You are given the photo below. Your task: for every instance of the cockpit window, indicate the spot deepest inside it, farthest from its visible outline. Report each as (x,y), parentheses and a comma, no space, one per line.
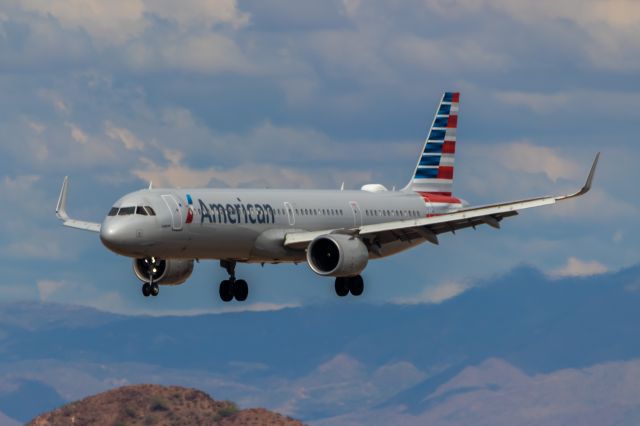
(150,211)
(141,211)
(126,211)
(113,211)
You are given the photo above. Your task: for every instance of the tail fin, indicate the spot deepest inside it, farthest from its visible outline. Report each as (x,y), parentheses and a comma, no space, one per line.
(434,172)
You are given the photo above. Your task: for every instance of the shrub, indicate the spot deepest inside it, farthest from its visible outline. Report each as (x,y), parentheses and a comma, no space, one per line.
(159,404)
(229,410)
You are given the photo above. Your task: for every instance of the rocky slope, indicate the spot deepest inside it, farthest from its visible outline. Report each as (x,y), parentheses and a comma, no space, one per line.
(157,405)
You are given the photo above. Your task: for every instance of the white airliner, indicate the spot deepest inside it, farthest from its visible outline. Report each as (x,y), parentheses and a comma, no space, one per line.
(335,231)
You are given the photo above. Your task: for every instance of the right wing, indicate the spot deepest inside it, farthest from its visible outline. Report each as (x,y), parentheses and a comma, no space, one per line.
(61,212)
(428,228)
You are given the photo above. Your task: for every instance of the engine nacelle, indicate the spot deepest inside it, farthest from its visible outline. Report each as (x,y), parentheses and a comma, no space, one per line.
(337,255)
(165,272)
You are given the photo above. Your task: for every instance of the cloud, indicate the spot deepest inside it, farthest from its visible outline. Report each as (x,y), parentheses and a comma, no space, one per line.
(199,13)
(538,102)
(48,288)
(77,134)
(435,294)
(128,139)
(113,21)
(118,21)
(579,268)
(247,175)
(468,53)
(63,291)
(527,157)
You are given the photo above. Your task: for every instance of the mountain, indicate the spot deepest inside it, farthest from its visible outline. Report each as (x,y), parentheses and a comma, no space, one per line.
(157,405)
(347,361)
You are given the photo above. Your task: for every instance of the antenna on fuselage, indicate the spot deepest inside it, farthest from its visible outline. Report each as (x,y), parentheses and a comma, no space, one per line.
(342,187)
(150,184)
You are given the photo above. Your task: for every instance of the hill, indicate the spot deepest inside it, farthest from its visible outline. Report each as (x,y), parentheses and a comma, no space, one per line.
(160,406)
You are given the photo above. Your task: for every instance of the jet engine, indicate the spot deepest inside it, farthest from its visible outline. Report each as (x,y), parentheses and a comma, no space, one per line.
(166,272)
(337,255)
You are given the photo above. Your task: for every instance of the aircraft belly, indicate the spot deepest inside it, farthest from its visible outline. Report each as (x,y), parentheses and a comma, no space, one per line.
(222,242)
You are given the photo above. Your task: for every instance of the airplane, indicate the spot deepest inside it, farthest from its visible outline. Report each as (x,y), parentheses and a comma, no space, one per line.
(336,232)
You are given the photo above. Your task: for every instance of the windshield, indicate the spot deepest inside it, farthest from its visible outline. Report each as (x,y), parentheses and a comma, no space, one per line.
(126,211)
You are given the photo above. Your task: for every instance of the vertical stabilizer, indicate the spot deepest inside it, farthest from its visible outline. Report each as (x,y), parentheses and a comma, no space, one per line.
(434,172)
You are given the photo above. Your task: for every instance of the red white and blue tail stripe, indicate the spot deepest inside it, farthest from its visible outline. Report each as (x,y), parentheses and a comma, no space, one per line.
(434,171)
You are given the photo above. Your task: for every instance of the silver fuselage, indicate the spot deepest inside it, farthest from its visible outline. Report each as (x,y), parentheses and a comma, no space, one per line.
(250,225)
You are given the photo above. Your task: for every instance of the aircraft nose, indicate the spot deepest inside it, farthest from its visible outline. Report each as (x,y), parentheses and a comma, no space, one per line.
(114,235)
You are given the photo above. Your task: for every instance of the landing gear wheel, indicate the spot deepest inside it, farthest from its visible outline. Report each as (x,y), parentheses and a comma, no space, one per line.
(342,288)
(241,290)
(146,289)
(155,289)
(226,291)
(356,285)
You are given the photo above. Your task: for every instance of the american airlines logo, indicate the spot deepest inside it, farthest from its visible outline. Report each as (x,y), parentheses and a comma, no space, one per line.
(236,213)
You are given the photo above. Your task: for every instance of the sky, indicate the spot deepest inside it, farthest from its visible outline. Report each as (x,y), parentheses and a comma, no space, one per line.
(291,94)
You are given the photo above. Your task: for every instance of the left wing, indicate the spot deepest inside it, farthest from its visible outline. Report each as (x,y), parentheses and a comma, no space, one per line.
(61,212)
(429,228)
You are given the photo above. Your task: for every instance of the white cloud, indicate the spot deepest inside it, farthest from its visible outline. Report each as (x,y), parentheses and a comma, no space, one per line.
(55,99)
(435,294)
(118,21)
(466,53)
(248,174)
(47,288)
(128,139)
(113,21)
(527,157)
(578,268)
(201,13)
(538,102)
(77,134)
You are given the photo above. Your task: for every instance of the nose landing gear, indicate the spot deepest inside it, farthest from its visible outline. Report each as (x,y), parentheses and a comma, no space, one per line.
(150,289)
(346,285)
(151,267)
(232,288)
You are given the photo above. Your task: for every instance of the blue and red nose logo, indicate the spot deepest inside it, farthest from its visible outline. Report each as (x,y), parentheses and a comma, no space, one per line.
(189,209)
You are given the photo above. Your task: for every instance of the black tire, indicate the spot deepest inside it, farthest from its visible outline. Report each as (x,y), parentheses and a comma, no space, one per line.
(342,288)
(146,289)
(356,285)
(241,290)
(226,291)
(155,289)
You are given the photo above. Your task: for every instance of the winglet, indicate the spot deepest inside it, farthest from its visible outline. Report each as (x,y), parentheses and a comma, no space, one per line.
(61,212)
(61,207)
(587,184)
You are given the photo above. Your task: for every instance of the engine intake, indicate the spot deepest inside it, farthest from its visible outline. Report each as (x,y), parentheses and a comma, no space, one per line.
(165,272)
(337,255)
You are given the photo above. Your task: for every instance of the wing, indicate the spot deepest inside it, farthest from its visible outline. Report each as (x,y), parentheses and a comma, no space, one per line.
(429,228)
(61,212)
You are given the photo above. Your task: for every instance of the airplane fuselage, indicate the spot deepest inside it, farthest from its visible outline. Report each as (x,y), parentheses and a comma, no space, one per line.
(250,225)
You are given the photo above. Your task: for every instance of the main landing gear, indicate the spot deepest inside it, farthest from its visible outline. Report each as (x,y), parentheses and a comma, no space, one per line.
(232,288)
(346,285)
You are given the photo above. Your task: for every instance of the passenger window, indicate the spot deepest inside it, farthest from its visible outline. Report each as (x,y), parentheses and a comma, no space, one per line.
(125,211)
(113,211)
(150,211)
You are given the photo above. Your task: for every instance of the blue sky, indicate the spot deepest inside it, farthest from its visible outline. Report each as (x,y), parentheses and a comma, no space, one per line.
(282,93)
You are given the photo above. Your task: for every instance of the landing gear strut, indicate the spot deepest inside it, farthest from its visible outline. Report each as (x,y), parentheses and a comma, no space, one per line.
(150,288)
(346,285)
(232,288)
